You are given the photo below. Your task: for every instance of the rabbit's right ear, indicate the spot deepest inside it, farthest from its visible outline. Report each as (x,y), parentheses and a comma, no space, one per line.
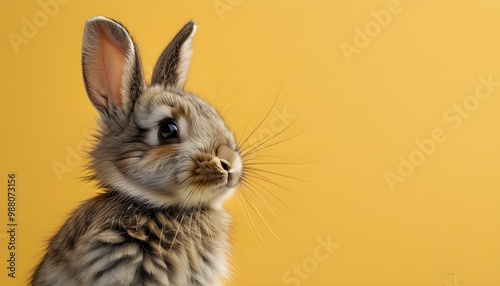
(112,70)
(171,68)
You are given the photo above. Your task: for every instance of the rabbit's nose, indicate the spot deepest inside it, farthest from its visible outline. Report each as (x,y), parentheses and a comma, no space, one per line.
(227,156)
(230,161)
(225,164)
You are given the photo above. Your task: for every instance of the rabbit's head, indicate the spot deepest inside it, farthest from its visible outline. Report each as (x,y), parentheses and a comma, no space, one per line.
(157,143)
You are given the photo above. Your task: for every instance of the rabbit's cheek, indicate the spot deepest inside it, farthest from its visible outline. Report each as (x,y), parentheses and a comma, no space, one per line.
(157,159)
(161,152)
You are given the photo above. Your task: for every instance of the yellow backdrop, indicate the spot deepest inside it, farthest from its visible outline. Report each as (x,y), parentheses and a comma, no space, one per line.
(384,162)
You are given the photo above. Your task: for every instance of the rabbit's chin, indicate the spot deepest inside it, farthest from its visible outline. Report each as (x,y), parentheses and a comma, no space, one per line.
(213,197)
(191,196)
(202,195)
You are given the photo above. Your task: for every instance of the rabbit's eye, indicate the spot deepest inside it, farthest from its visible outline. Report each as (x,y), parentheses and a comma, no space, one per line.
(167,133)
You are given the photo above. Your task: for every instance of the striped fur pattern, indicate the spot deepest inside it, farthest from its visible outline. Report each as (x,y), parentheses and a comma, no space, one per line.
(165,160)
(110,241)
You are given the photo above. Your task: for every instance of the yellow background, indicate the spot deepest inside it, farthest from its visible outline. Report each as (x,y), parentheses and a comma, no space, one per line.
(353,121)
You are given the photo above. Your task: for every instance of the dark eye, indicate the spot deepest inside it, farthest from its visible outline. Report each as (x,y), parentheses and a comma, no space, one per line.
(167,133)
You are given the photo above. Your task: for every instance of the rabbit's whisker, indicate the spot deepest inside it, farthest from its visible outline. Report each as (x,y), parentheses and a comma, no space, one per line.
(266,179)
(257,212)
(232,97)
(262,199)
(269,145)
(263,119)
(221,86)
(248,216)
(265,139)
(276,174)
(282,204)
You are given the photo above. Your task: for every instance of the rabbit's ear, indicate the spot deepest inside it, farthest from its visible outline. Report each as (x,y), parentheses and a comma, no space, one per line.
(172,66)
(112,69)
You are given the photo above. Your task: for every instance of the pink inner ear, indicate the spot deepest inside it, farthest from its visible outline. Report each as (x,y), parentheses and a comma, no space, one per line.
(112,58)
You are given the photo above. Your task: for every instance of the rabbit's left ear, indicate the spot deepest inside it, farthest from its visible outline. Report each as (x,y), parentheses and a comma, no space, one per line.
(112,70)
(173,64)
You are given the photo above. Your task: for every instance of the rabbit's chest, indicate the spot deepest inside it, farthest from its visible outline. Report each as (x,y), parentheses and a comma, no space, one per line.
(178,249)
(157,249)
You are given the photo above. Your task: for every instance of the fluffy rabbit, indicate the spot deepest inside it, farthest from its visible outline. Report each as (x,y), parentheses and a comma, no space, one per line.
(165,160)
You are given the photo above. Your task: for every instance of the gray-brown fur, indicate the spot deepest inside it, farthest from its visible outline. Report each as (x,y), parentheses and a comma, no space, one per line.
(113,241)
(165,160)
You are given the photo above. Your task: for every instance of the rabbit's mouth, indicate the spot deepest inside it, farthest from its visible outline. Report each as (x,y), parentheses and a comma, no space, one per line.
(222,171)
(214,176)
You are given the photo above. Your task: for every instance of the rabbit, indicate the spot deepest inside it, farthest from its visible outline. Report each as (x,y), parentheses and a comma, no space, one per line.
(166,162)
